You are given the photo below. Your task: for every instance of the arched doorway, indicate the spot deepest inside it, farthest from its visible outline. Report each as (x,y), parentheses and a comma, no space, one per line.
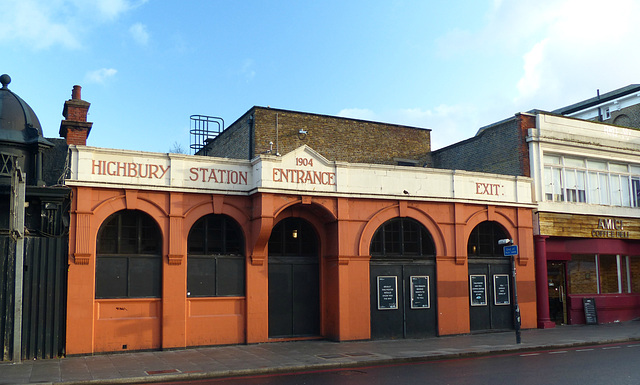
(402,281)
(294,279)
(490,282)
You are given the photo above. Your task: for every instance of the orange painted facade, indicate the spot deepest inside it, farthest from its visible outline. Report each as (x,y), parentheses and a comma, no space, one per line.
(345,227)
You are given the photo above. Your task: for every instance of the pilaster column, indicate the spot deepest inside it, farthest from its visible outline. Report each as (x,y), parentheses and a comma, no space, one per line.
(542,282)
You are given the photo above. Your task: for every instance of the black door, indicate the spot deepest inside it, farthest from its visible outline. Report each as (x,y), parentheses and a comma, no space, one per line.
(490,282)
(557,293)
(402,301)
(402,281)
(490,295)
(294,294)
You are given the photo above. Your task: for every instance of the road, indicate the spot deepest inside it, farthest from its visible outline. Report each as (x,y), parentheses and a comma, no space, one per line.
(603,364)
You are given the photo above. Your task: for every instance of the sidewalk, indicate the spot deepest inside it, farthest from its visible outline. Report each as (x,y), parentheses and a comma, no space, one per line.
(198,363)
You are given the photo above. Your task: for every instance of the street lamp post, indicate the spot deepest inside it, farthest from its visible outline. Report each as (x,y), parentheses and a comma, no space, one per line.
(511,250)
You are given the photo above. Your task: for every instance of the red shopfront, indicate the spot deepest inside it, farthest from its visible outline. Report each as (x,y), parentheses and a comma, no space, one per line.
(603,265)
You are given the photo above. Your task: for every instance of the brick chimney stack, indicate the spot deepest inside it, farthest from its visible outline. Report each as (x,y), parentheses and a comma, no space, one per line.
(75,127)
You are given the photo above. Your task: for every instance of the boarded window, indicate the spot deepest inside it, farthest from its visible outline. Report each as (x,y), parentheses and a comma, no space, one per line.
(215,261)
(129,257)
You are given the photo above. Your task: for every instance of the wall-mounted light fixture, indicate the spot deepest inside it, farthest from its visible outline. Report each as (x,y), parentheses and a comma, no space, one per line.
(294,234)
(302,134)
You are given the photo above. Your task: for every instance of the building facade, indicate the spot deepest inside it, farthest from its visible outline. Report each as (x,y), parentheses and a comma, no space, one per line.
(586,178)
(171,251)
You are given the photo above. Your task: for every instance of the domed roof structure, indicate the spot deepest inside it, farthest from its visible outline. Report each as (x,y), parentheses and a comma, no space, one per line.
(21,141)
(18,122)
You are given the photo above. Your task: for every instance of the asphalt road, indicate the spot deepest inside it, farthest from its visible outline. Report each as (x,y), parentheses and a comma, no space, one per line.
(603,364)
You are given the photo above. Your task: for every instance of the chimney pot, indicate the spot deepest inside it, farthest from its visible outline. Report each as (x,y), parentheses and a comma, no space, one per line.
(75,94)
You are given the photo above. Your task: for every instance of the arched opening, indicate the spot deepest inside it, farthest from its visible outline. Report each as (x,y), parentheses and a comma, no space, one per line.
(215,258)
(294,280)
(490,282)
(402,281)
(129,257)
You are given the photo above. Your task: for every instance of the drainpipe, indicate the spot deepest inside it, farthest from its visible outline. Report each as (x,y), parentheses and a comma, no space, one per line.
(277,141)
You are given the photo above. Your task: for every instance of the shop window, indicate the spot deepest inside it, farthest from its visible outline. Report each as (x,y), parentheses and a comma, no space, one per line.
(634,273)
(483,241)
(604,274)
(608,273)
(402,237)
(583,277)
(215,258)
(129,257)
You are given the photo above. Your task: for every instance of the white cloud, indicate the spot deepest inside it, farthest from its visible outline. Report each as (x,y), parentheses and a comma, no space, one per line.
(32,23)
(100,76)
(247,70)
(586,46)
(111,9)
(568,49)
(531,81)
(449,123)
(139,33)
(42,24)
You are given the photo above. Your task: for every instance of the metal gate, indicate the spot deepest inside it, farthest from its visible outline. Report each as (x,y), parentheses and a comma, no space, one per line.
(7,273)
(44,297)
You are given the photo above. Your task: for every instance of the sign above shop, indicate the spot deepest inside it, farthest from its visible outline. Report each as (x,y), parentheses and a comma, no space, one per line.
(610,228)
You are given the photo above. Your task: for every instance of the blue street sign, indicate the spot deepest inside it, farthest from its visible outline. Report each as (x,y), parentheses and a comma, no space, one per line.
(510,250)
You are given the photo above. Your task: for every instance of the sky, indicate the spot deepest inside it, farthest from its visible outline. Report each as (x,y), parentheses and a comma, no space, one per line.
(450,66)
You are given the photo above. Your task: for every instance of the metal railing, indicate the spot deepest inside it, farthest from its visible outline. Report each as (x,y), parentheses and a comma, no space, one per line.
(203,129)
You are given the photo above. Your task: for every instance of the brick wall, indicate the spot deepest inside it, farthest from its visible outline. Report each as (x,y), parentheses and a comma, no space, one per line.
(582,275)
(234,142)
(500,148)
(337,139)
(628,117)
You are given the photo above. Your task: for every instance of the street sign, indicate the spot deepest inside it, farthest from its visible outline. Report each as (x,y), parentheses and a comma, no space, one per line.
(510,250)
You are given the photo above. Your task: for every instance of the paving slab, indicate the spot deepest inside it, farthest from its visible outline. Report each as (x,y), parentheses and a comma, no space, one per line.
(222,361)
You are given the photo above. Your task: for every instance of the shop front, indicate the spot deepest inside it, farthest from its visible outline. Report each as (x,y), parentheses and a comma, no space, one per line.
(594,259)
(171,251)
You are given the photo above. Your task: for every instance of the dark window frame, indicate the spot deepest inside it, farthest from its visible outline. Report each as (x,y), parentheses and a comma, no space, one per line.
(113,244)
(213,241)
(485,237)
(395,237)
(282,243)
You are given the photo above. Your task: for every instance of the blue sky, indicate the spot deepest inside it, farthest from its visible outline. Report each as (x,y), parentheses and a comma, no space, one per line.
(451,66)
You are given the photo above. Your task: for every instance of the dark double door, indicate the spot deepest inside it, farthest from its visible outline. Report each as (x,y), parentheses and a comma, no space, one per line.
(403,301)
(294,297)
(490,286)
